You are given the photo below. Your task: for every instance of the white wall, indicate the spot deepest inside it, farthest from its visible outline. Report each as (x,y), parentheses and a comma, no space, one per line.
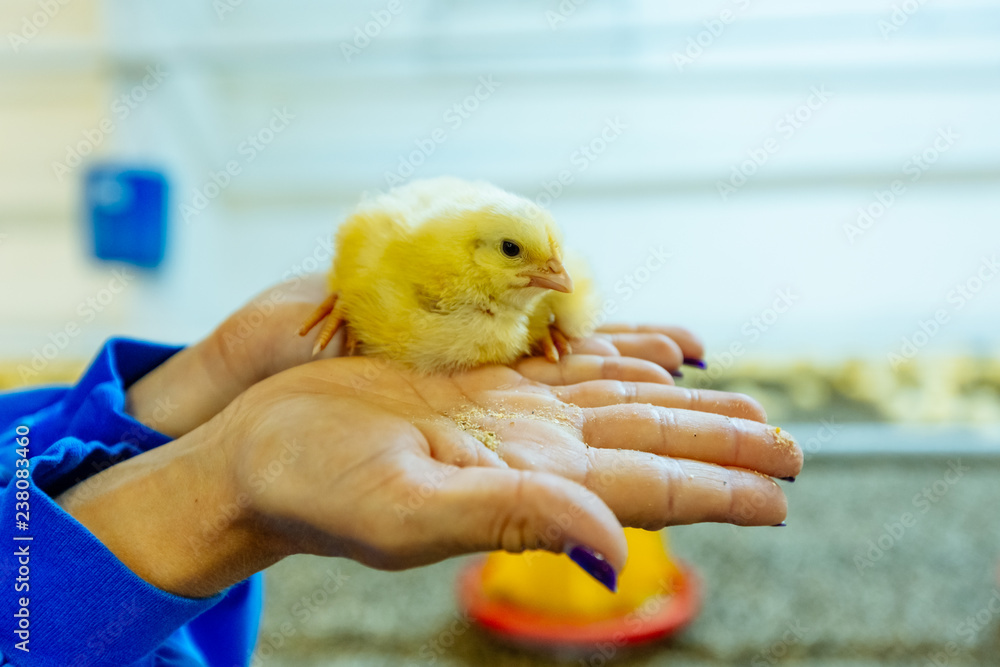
(656,184)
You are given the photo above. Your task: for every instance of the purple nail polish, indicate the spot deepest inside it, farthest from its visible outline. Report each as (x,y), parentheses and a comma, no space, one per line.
(787,479)
(595,565)
(779,525)
(676,374)
(697,363)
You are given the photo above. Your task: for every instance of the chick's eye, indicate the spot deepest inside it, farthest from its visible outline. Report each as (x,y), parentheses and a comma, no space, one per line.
(511,249)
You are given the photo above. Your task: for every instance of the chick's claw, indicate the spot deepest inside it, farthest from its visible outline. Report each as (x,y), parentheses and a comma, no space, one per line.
(326,334)
(555,344)
(323,311)
(351,343)
(563,346)
(318,315)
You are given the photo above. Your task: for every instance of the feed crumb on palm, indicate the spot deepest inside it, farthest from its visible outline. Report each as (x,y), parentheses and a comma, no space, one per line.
(475,420)
(467,421)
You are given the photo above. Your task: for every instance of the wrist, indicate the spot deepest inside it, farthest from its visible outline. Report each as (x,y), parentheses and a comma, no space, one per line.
(175,517)
(184,392)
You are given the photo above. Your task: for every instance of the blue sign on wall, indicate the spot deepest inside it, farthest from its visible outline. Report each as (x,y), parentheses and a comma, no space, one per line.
(127,210)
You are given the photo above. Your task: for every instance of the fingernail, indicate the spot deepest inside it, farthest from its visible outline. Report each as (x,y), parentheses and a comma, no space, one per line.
(697,363)
(594,564)
(676,374)
(779,525)
(787,479)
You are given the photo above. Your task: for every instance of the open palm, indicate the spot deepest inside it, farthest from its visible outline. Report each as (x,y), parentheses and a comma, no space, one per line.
(395,469)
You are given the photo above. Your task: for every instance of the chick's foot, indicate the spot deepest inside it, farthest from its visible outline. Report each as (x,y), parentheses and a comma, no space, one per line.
(555,344)
(333,322)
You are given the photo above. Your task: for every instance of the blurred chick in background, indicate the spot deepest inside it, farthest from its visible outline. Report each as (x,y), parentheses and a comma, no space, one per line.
(444,275)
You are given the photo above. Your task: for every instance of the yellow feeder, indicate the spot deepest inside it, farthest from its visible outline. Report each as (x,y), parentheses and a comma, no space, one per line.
(545,600)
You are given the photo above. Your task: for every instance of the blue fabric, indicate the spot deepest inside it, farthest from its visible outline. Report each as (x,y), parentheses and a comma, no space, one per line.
(84,607)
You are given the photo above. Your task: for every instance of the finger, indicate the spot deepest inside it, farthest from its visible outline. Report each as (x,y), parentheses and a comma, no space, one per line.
(575,368)
(691,346)
(310,288)
(649,491)
(598,393)
(599,345)
(699,436)
(655,347)
(319,314)
(293,350)
(484,509)
(459,448)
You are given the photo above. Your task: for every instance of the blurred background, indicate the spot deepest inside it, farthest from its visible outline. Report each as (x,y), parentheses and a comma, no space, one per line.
(823,180)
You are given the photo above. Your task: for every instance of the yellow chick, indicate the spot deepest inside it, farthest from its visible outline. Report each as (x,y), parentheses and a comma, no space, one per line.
(445,274)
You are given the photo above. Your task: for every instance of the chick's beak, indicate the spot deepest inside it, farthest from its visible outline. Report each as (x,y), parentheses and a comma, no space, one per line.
(554,276)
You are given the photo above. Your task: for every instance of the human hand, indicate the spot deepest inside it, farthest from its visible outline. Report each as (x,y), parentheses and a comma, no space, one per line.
(259,341)
(254,343)
(390,468)
(647,350)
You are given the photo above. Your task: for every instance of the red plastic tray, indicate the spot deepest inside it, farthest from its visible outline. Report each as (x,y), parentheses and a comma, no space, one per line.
(524,627)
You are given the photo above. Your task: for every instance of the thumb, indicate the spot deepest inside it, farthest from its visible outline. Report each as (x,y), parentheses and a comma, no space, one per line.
(485,509)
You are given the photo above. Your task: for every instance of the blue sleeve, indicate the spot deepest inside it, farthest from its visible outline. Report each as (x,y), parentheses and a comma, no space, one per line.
(67,600)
